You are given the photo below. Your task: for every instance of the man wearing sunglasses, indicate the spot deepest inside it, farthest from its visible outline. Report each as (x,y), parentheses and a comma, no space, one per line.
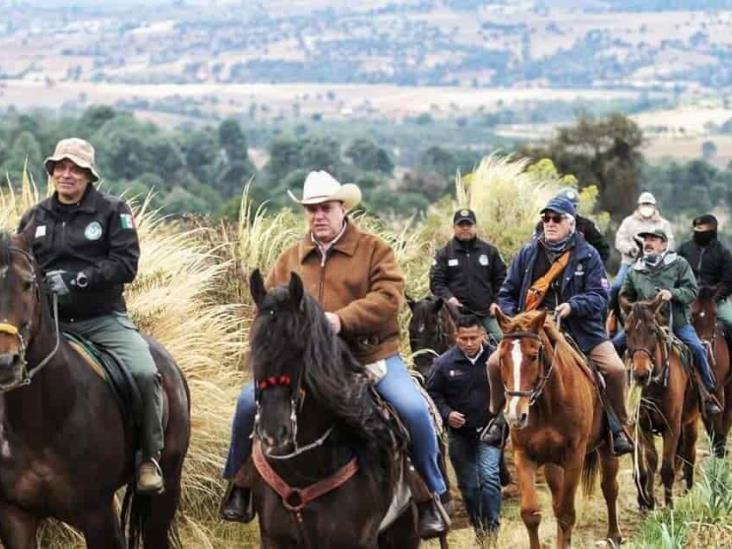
(560,272)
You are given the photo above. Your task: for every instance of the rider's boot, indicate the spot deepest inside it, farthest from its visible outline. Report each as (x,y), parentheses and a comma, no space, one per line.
(238,504)
(150,477)
(495,433)
(434,519)
(622,444)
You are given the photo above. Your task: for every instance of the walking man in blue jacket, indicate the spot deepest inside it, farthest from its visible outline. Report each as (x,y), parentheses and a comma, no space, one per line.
(562,273)
(458,384)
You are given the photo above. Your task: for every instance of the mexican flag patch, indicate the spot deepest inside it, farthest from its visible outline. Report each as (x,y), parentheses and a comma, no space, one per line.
(126,221)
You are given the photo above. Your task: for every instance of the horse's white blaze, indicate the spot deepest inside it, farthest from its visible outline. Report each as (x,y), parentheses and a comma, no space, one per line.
(516,358)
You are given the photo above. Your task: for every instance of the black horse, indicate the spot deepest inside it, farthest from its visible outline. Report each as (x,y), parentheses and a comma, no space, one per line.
(328,463)
(431,331)
(64,446)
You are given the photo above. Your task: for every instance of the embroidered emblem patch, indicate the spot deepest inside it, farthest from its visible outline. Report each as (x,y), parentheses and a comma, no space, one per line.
(452,262)
(483,260)
(126,221)
(40,231)
(93,231)
(464,212)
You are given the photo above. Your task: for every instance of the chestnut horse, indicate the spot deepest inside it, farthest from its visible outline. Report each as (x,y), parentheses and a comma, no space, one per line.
(711,333)
(65,445)
(556,417)
(669,403)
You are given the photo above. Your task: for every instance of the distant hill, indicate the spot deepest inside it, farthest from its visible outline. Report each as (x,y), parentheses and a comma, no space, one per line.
(629,44)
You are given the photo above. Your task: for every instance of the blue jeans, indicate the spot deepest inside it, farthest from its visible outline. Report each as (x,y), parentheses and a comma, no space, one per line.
(397,388)
(620,277)
(687,334)
(477,467)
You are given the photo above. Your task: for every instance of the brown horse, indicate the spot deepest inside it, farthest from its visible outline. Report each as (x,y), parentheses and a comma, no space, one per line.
(65,447)
(669,402)
(431,331)
(704,318)
(557,421)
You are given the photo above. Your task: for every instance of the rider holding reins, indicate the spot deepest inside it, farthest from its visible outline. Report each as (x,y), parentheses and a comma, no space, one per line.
(561,272)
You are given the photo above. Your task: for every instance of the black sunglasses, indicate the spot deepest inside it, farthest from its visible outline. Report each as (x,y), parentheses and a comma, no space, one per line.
(556,218)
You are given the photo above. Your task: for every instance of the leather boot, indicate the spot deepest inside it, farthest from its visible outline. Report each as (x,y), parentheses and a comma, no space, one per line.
(238,504)
(711,406)
(495,433)
(621,443)
(433,518)
(150,477)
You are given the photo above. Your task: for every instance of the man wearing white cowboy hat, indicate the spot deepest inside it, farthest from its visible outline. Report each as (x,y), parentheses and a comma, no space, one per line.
(361,293)
(86,244)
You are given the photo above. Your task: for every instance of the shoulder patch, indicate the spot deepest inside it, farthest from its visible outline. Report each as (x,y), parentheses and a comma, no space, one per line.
(126,221)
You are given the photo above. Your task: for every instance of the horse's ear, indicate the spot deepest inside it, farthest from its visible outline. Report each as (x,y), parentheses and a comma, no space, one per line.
(625,304)
(657,304)
(296,289)
(410,302)
(538,323)
(504,321)
(256,287)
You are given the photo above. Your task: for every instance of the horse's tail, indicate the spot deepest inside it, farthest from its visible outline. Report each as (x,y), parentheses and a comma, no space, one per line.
(135,512)
(589,472)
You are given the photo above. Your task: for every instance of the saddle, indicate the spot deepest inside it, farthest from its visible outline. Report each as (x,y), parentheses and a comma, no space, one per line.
(109,367)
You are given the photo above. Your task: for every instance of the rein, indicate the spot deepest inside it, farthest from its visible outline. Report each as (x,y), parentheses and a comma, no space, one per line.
(11,330)
(538,389)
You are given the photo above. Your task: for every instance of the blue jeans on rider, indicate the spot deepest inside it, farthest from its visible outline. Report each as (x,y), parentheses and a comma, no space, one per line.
(687,334)
(620,277)
(397,388)
(477,467)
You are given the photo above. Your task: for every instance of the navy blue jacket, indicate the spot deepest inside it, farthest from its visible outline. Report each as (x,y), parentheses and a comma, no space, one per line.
(456,384)
(584,286)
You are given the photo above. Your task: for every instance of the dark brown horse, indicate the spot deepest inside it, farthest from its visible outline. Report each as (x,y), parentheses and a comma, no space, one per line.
(669,402)
(64,446)
(711,332)
(431,331)
(557,420)
(327,463)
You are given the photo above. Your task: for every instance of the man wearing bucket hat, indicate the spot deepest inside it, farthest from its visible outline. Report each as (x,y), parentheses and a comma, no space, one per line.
(360,291)
(561,272)
(645,218)
(663,272)
(467,272)
(87,247)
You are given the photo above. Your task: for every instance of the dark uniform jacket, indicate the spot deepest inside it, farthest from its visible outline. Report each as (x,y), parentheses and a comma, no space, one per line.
(455,384)
(587,228)
(98,237)
(471,271)
(712,265)
(584,286)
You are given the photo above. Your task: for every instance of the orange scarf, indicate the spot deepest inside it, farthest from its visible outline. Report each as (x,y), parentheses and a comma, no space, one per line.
(537,292)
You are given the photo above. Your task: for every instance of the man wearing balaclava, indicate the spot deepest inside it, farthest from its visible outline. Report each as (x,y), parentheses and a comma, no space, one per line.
(645,218)
(711,262)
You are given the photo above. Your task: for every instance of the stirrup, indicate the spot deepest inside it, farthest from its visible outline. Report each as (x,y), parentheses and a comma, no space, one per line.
(150,491)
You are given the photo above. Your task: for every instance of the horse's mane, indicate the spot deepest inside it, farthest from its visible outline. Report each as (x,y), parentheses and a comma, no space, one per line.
(4,249)
(330,373)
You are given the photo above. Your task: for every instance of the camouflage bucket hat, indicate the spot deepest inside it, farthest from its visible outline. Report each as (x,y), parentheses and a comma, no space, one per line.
(79,151)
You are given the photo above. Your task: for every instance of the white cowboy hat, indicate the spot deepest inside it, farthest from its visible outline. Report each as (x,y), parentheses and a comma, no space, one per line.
(321,187)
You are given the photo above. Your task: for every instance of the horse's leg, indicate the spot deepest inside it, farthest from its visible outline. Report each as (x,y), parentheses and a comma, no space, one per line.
(609,464)
(17,528)
(646,471)
(555,479)
(160,522)
(530,510)
(101,528)
(670,445)
(566,515)
(687,452)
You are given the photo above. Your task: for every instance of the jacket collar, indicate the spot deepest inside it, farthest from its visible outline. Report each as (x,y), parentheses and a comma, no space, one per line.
(347,243)
(668,259)
(88,202)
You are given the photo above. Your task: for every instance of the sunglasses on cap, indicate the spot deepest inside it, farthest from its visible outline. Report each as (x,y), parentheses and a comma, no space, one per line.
(556,218)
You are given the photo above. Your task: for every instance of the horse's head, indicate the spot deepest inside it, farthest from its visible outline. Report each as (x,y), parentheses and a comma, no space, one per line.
(521,355)
(428,332)
(643,335)
(704,312)
(20,311)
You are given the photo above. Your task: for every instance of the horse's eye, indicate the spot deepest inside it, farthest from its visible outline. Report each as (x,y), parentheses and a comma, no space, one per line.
(534,357)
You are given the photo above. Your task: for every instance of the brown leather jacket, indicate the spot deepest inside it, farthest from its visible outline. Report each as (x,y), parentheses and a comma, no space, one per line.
(359,280)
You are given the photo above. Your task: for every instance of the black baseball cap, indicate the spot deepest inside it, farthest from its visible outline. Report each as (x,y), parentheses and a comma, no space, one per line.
(461,216)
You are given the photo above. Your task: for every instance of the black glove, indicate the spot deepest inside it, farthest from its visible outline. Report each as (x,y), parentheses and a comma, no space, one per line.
(60,282)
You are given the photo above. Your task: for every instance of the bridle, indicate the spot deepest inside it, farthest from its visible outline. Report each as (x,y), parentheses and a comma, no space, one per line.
(664,343)
(5,328)
(547,368)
